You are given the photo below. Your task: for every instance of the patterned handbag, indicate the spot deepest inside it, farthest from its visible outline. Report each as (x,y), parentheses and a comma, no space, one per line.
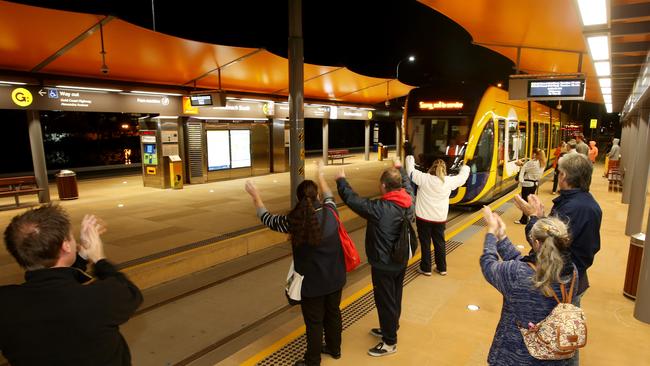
(561,333)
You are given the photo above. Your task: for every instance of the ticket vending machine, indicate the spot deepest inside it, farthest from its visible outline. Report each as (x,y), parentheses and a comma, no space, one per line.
(152,161)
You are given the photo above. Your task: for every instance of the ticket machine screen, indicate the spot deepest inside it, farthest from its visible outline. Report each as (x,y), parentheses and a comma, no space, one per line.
(150,157)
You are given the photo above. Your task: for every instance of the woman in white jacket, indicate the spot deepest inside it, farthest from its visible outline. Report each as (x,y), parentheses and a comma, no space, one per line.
(529,175)
(431,208)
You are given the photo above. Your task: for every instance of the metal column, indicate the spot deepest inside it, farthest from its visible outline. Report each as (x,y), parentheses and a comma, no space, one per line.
(38,155)
(366,141)
(398,145)
(625,136)
(642,304)
(326,134)
(296,98)
(628,158)
(640,168)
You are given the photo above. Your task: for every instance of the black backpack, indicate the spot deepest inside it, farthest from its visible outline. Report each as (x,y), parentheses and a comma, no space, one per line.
(407,244)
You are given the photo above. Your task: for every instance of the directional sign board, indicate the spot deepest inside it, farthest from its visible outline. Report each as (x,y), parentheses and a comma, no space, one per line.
(539,88)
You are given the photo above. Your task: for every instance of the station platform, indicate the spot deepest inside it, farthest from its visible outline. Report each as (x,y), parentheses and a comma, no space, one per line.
(438,329)
(145,224)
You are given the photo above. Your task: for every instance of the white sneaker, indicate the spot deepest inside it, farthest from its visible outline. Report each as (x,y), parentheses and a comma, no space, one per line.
(382,349)
(420,271)
(442,273)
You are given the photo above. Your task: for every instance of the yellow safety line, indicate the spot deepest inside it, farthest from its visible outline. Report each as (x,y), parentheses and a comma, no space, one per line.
(350,299)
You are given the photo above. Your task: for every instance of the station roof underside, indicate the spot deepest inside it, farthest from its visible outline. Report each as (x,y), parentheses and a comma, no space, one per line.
(550,35)
(53,42)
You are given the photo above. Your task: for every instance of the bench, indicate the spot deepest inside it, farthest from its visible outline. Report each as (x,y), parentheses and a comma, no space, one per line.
(338,154)
(18,186)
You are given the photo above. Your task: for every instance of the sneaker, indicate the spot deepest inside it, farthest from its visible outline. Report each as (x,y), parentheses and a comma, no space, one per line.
(376,332)
(442,273)
(422,272)
(382,349)
(324,349)
(300,363)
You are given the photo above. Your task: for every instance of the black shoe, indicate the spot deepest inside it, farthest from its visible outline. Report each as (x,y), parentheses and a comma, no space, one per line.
(382,349)
(300,363)
(376,332)
(324,349)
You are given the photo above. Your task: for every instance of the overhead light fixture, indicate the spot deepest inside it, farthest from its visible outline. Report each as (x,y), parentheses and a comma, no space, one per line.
(608,106)
(155,93)
(607,98)
(411,58)
(603,68)
(12,82)
(472,307)
(169,117)
(599,47)
(605,82)
(89,88)
(593,12)
(606,90)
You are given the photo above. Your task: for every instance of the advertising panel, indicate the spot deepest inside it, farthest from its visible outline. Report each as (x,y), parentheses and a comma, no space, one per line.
(218,150)
(240,142)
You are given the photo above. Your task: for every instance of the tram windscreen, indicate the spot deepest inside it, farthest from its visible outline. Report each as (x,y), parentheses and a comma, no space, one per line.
(444,138)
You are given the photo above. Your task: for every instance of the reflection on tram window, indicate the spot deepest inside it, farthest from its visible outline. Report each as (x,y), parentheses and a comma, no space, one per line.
(484,149)
(444,138)
(514,141)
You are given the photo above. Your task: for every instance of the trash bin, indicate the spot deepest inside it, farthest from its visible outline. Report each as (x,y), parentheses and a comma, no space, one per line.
(385,152)
(634,256)
(66,185)
(380,152)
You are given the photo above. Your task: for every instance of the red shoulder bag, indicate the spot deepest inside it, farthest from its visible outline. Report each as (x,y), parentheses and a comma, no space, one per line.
(350,253)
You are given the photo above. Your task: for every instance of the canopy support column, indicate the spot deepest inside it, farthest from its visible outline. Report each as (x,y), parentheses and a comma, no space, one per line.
(326,146)
(366,141)
(640,167)
(38,155)
(642,304)
(296,98)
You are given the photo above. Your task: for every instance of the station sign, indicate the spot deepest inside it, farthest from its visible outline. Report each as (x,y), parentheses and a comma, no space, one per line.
(321,112)
(547,88)
(68,99)
(233,110)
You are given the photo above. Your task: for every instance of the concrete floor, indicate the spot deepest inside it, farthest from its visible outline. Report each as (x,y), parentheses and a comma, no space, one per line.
(437,329)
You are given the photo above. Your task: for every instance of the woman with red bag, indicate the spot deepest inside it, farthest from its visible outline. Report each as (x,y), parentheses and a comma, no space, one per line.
(318,256)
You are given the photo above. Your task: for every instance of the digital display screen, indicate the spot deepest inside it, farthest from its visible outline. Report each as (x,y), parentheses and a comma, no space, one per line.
(198,100)
(556,88)
(240,145)
(218,150)
(150,157)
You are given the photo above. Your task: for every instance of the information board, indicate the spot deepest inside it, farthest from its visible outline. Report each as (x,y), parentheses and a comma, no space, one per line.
(199,100)
(218,150)
(240,144)
(556,88)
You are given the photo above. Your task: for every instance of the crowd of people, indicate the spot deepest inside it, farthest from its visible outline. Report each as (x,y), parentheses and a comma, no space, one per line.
(60,305)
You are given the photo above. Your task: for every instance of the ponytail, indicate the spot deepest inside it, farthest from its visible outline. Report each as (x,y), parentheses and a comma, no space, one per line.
(439,169)
(303,223)
(554,241)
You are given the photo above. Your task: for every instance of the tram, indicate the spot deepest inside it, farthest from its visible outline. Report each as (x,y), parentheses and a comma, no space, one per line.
(479,126)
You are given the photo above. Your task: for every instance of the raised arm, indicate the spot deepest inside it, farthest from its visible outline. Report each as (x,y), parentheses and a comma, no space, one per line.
(322,182)
(361,206)
(458,180)
(416,175)
(278,223)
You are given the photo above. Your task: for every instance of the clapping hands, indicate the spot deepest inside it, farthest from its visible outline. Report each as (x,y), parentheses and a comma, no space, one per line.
(495,224)
(90,242)
(534,206)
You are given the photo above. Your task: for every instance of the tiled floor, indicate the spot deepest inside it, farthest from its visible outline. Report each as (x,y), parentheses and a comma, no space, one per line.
(437,329)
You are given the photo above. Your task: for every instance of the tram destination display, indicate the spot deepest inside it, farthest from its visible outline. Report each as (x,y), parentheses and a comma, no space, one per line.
(556,88)
(200,100)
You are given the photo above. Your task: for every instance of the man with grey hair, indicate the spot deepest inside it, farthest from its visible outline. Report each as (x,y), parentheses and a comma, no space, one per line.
(581,146)
(575,206)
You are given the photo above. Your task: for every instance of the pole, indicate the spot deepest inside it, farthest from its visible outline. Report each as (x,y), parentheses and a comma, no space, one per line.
(325,139)
(366,143)
(38,155)
(628,159)
(639,187)
(642,304)
(296,98)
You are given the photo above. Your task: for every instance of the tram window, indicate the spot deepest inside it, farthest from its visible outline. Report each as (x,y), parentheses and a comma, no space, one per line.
(514,141)
(523,143)
(543,132)
(535,135)
(447,136)
(501,150)
(485,149)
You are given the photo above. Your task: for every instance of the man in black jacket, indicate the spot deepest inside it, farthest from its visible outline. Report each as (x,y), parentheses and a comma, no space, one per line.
(385,217)
(60,315)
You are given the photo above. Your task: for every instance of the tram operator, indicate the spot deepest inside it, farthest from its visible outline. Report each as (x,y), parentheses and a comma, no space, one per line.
(60,315)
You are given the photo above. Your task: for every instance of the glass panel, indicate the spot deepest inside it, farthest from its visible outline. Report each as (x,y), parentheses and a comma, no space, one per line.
(502,134)
(524,139)
(444,138)
(484,150)
(543,131)
(535,136)
(514,141)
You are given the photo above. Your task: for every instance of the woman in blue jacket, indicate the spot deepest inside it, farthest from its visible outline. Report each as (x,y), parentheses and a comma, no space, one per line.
(527,293)
(318,256)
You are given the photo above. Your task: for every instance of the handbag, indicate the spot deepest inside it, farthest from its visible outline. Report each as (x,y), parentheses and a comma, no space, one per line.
(294,286)
(350,253)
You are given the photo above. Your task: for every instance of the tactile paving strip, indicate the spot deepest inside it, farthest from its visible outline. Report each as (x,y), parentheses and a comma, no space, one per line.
(294,350)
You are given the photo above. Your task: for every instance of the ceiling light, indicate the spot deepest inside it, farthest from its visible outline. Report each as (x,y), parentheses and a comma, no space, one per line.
(607,98)
(155,93)
(605,82)
(12,82)
(593,11)
(88,88)
(603,68)
(606,90)
(599,47)
(473,307)
(608,106)
(411,58)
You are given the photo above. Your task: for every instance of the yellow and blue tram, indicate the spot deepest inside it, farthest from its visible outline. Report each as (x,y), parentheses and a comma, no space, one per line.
(480,126)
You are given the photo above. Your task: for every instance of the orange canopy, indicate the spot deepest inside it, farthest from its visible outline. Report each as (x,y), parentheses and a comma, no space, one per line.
(67,43)
(548,32)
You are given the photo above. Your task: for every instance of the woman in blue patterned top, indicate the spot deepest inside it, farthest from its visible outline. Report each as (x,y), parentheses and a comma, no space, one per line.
(527,293)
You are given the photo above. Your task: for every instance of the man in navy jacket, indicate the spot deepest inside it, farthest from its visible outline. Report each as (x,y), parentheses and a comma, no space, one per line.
(575,206)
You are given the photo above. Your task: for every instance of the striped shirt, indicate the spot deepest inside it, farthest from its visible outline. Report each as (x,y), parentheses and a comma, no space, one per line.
(280,223)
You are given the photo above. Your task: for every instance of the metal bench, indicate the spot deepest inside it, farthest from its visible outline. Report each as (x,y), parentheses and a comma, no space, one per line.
(18,186)
(338,154)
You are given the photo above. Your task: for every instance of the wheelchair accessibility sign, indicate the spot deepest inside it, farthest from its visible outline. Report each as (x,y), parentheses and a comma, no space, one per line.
(53,94)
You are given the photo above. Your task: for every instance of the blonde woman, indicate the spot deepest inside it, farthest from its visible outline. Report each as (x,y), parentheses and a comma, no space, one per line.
(431,209)
(529,175)
(528,284)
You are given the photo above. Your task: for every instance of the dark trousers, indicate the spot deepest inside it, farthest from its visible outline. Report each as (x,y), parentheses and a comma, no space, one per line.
(525,192)
(555,177)
(428,231)
(322,313)
(388,299)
